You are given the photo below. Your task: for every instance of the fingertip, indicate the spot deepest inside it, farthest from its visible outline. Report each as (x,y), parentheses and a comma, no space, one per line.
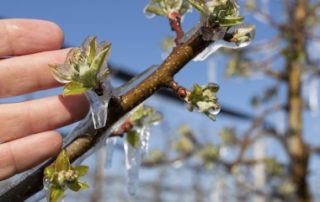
(76,105)
(57,34)
(27,36)
(56,143)
(22,154)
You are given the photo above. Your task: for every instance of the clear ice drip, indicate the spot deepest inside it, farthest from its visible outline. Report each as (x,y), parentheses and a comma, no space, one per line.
(99,104)
(135,81)
(110,146)
(133,158)
(46,188)
(144,137)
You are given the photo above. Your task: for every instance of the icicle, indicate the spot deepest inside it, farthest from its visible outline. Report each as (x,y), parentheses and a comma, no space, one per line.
(144,136)
(99,104)
(133,162)
(46,188)
(244,33)
(208,51)
(110,144)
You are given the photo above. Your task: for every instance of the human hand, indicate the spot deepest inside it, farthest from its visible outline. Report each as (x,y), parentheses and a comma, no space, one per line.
(26,130)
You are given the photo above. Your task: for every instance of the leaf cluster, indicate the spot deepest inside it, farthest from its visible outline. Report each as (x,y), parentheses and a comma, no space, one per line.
(62,175)
(84,68)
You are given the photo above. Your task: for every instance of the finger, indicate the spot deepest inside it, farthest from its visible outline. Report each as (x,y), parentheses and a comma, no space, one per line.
(25,153)
(21,119)
(22,36)
(30,73)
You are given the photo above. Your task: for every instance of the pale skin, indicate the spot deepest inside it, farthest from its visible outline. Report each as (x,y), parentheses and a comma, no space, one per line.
(27,129)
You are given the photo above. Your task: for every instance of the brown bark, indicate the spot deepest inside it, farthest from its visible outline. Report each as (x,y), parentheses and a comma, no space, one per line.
(297,148)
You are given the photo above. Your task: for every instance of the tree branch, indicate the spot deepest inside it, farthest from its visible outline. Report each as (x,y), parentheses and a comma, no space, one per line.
(87,138)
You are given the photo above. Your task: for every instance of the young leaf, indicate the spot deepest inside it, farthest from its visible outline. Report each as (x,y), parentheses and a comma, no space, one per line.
(48,171)
(92,51)
(100,59)
(60,73)
(83,185)
(56,193)
(200,5)
(231,21)
(74,186)
(133,138)
(155,10)
(81,170)
(62,162)
(74,88)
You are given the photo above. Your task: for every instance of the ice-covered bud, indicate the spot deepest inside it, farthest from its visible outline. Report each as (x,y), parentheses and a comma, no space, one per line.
(243,34)
(84,69)
(225,13)
(204,99)
(167,8)
(62,175)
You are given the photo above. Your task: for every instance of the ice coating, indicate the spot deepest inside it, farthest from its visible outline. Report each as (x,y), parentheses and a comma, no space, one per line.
(243,36)
(110,146)
(133,158)
(134,81)
(46,188)
(215,111)
(99,104)
(144,136)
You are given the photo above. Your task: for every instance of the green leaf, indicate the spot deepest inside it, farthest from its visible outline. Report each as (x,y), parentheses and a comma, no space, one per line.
(231,21)
(92,51)
(184,145)
(185,7)
(133,138)
(81,170)
(100,59)
(155,10)
(62,162)
(74,186)
(60,73)
(210,116)
(77,186)
(200,5)
(56,193)
(48,171)
(204,106)
(74,88)
(83,185)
